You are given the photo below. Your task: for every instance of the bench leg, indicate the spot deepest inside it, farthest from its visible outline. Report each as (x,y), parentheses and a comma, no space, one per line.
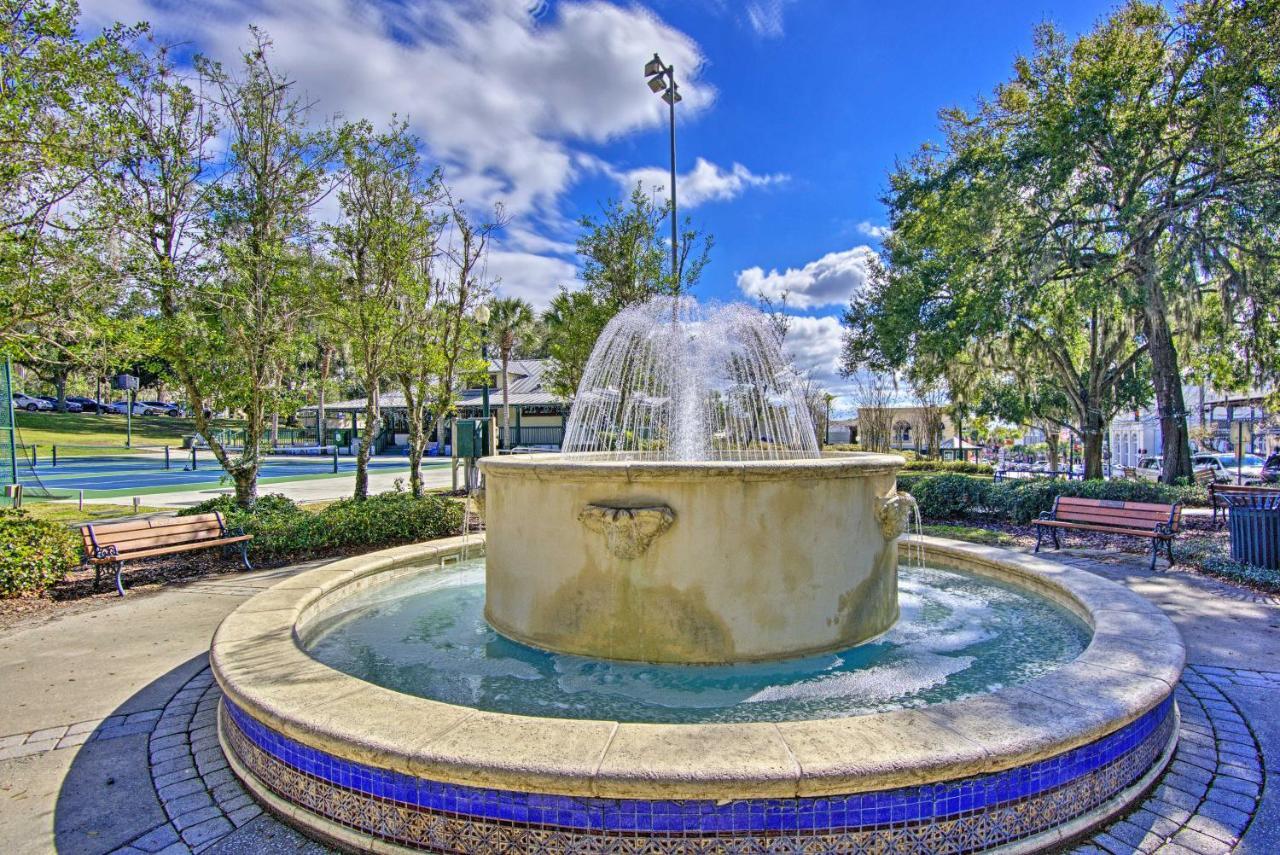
(1039,536)
(1056,544)
(119,578)
(1168,548)
(244,554)
(1155,550)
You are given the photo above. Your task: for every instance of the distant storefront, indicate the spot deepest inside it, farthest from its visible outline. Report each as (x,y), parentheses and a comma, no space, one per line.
(537,416)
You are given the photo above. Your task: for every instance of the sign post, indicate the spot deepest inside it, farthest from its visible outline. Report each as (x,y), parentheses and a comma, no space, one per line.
(129,385)
(8,424)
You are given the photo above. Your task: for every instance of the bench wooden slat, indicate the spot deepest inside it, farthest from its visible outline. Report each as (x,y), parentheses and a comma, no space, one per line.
(1113,519)
(190,531)
(167,550)
(1135,532)
(1064,501)
(110,529)
(126,547)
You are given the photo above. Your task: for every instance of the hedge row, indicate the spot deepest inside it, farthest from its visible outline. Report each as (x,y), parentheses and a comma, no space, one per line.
(964,467)
(34,554)
(946,497)
(282,529)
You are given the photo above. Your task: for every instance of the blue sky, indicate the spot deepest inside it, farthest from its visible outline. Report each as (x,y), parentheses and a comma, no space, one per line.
(794,112)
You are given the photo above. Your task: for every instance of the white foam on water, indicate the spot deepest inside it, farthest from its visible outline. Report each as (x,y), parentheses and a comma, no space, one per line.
(880,684)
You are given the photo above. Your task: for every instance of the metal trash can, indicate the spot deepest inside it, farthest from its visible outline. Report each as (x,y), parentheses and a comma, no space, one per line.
(1255,530)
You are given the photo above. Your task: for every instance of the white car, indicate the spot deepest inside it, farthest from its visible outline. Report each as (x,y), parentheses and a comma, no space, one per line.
(1149,468)
(30,404)
(1224,467)
(139,409)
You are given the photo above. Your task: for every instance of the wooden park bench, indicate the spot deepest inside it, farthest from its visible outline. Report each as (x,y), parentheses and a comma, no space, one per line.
(113,544)
(1136,519)
(1219,493)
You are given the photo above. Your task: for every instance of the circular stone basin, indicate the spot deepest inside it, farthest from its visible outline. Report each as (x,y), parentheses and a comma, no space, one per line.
(1024,766)
(960,634)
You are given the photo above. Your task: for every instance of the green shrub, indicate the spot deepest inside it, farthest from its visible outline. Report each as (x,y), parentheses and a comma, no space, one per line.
(965,467)
(1258,577)
(35,554)
(944,497)
(281,529)
(1022,500)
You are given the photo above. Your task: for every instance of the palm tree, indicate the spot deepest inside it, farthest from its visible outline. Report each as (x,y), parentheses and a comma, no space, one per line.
(511,321)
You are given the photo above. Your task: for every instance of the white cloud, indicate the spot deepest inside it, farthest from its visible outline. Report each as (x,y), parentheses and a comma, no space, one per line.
(829,281)
(813,346)
(507,93)
(765,17)
(536,278)
(706,182)
(871,230)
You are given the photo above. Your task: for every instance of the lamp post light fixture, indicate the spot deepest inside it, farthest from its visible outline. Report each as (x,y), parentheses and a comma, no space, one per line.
(662,80)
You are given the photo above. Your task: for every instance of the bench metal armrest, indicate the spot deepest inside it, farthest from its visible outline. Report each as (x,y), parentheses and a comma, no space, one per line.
(1046,515)
(108,551)
(1164,529)
(237,531)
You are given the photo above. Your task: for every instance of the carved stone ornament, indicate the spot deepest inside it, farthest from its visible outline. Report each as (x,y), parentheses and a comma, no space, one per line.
(627,531)
(894,513)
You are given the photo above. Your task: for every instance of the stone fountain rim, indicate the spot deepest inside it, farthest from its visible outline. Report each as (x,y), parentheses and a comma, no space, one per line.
(603,466)
(1131,665)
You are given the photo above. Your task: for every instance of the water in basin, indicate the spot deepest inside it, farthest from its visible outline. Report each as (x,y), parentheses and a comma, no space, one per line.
(959,634)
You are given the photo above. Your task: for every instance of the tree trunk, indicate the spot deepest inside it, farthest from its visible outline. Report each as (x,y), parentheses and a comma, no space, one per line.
(60,383)
(1051,439)
(246,481)
(1091,444)
(1175,446)
(371,420)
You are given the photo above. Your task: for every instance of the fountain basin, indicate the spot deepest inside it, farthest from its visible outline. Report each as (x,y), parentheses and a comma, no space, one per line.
(375,770)
(691,562)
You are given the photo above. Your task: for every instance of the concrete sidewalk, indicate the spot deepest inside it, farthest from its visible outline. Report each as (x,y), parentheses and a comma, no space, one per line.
(107,741)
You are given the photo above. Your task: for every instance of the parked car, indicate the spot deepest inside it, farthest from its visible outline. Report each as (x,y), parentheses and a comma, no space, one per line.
(88,405)
(139,409)
(1225,469)
(72,406)
(1271,469)
(170,409)
(1149,468)
(29,403)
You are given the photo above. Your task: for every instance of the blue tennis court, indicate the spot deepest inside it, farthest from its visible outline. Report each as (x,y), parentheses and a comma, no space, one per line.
(112,472)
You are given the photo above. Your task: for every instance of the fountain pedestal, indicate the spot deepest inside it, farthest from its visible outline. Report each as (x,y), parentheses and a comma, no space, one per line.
(691,562)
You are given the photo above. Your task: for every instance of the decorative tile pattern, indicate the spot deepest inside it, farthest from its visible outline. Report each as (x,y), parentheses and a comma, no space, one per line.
(960,816)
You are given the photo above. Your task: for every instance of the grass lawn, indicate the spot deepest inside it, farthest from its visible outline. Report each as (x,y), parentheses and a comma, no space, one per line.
(47,429)
(71,514)
(973,534)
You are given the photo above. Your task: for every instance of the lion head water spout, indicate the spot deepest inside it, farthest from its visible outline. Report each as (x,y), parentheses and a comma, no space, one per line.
(672,380)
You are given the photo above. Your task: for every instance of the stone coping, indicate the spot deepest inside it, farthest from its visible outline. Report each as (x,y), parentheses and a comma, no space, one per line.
(1132,664)
(606,467)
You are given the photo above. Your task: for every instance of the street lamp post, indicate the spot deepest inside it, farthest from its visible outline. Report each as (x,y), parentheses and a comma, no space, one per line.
(483,313)
(662,80)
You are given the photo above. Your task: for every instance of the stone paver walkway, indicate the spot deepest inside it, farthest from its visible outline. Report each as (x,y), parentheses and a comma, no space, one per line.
(148,775)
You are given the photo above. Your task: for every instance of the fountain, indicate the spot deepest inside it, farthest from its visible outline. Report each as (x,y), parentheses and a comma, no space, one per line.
(695,520)
(689,632)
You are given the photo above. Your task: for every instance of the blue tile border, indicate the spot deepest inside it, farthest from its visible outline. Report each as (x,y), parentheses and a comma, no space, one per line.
(965,815)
